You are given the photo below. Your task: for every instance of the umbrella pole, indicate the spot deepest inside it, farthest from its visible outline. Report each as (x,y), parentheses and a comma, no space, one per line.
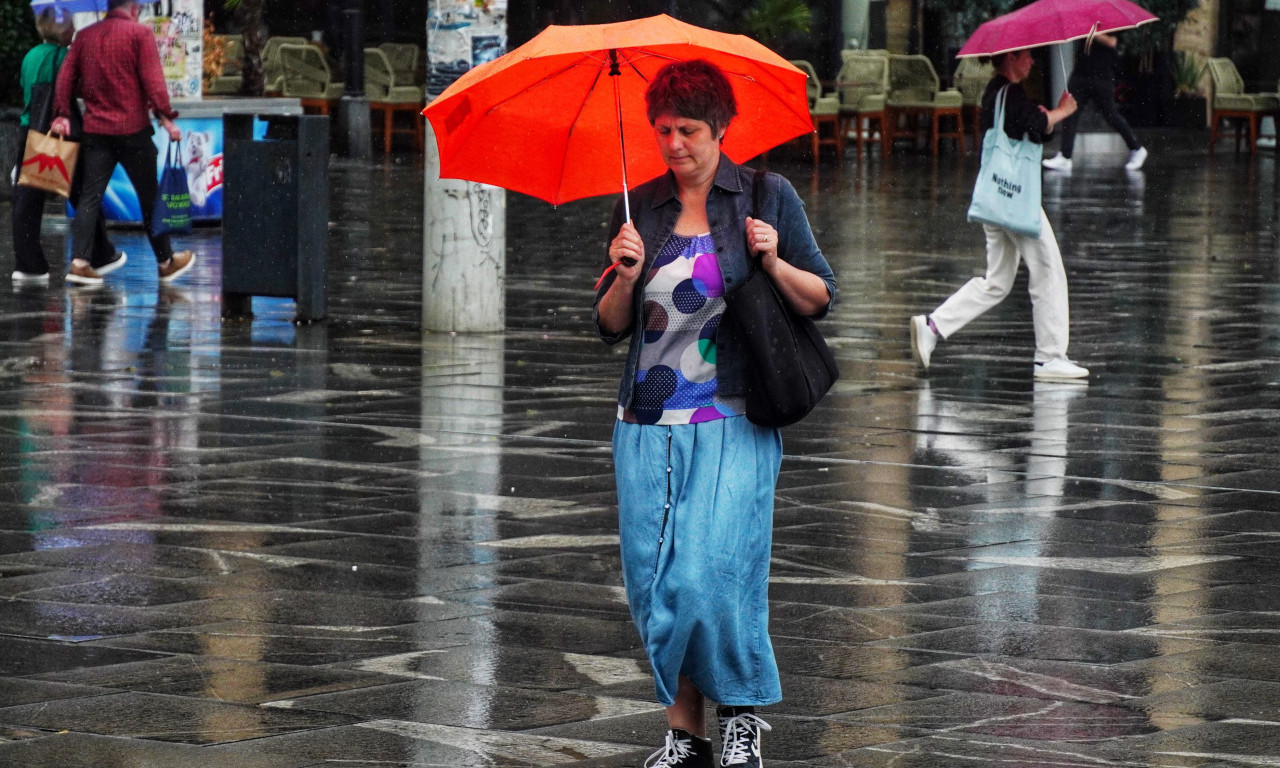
(614,73)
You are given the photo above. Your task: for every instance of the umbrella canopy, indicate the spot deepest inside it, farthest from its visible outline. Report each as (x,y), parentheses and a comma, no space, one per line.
(1046,22)
(549,120)
(75,6)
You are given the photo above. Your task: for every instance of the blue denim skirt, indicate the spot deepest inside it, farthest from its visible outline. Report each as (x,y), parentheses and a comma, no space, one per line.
(695,516)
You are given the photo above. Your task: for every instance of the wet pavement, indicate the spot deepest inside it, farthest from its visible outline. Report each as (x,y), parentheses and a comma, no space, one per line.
(259,544)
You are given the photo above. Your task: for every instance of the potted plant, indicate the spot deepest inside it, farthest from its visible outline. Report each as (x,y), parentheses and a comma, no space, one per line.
(1188,109)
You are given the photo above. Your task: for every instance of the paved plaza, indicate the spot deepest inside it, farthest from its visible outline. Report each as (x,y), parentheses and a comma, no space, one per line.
(256,544)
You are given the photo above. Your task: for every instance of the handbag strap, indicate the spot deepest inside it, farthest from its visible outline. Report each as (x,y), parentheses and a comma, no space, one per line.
(998,120)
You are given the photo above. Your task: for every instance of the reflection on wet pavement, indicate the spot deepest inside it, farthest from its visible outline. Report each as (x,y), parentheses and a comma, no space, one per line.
(267,544)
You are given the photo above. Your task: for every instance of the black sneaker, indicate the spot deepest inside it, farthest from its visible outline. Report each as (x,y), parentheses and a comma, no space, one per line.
(682,750)
(740,729)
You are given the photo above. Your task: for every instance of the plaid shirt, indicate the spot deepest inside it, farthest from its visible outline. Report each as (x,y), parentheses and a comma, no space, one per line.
(114,65)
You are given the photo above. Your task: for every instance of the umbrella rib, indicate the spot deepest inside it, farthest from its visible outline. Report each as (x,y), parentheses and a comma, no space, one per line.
(547,78)
(564,155)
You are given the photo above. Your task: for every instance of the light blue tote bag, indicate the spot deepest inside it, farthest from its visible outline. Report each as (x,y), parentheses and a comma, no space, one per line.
(1007,192)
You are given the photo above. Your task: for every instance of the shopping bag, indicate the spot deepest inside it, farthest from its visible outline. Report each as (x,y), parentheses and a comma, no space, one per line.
(48,163)
(172,212)
(788,364)
(1007,192)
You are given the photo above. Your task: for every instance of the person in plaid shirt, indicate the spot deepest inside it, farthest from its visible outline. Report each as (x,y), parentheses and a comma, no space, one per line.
(114,66)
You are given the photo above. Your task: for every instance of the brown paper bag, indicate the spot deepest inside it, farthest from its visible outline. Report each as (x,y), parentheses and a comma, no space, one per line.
(48,163)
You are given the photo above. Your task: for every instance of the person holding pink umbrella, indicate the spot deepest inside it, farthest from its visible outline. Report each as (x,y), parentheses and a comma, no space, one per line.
(1005,248)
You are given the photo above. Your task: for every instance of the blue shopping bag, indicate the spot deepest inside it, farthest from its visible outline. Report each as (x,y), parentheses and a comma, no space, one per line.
(172,212)
(1007,192)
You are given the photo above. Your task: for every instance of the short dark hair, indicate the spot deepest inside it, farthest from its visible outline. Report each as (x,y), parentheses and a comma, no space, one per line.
(695,89)
(114,4)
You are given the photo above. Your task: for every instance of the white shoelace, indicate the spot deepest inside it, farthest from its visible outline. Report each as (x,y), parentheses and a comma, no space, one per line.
(671,753)
(740,738)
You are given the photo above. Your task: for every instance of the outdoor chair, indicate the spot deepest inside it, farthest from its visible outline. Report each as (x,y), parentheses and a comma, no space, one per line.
(405,59)
(388,96)
(914,92)
(861,85)
(824,110)
(1230,102)
(307,77)
(272,71)
(971,78)
(229,79)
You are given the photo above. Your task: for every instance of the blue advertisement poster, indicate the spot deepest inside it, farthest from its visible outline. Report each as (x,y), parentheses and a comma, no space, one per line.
(201,153)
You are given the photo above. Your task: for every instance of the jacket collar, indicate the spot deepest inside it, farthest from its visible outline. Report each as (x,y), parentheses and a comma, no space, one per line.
(727,178)
(120,13)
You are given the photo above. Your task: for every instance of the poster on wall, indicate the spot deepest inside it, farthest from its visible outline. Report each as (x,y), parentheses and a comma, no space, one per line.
(178,29)
(462,34)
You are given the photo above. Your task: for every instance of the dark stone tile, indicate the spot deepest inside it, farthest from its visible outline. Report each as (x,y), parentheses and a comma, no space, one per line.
(16,691)
(468,706)
(1225,700)
(243,682)
(81,750)
(1049,610)
(1046,643)
(165,718)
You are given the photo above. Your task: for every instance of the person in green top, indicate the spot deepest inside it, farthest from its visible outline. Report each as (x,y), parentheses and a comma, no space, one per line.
(38,74)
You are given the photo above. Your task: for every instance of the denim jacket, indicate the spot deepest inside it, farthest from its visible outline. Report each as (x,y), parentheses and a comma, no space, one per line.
(655,207)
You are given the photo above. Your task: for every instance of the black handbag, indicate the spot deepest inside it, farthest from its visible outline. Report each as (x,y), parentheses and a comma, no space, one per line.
(788,365)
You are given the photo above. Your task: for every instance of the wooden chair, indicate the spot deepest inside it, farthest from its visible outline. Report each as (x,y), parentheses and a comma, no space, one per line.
(914,92)
(971,78)
(307,77)
(387,97)
(824,110)
(1230,102)
(272,71)
(862,84)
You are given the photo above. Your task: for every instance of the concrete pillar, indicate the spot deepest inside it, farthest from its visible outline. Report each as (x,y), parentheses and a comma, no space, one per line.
(464,223)
(464,243)
(853,23)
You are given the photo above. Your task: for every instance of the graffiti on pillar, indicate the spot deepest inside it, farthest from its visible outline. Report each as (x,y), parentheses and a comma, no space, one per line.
(460,224)
(179,37)
(462,34)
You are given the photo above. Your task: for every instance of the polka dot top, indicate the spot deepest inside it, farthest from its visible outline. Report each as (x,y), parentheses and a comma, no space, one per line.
(683,303)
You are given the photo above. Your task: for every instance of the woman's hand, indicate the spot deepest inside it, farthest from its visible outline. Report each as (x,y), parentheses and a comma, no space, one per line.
(627,253)
(61,126)
(763,239)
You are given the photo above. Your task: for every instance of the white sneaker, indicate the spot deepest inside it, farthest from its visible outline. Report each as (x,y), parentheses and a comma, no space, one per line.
(1136,158)
(1060,368)
(923,340)
(1057,163)
(28,277)
(111,266)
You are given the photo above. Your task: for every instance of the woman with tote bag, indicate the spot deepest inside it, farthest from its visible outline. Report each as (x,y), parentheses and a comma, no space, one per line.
(39,72)
(1023,121)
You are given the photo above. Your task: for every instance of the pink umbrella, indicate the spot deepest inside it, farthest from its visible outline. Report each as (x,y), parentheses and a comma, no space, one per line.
(1046,22)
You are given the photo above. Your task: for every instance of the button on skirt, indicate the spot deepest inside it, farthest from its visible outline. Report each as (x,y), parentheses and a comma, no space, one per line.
(695,518)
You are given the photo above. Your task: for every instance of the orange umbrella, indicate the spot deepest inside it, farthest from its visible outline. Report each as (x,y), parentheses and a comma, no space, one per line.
(562,117)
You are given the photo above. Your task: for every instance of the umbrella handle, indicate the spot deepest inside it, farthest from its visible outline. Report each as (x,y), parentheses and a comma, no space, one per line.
(615,72)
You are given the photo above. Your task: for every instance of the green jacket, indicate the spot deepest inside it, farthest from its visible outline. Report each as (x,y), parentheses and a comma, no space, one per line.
(40,65)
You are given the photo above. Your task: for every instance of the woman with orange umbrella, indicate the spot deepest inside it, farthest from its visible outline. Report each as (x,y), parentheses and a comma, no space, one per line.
(695,478)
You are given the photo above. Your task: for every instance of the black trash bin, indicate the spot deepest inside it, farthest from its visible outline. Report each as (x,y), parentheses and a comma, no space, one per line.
(275,212)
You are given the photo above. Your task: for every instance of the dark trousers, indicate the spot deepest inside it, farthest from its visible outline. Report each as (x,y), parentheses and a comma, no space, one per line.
(99,155)
(1101,94)
(28,212)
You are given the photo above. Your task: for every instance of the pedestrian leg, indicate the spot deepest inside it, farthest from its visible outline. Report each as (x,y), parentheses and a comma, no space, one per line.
(28,211)
(138,157)
(97,161)
(103,251)
(981,293)
(1111,113)
(1047,284)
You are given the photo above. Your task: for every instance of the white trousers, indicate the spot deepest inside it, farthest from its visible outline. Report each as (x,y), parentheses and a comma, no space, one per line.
(1047,284)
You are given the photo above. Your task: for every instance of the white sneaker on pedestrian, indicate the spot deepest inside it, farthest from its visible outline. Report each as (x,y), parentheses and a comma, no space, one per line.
(1060,368)
(111,266)
(923,340)
(19,276)
(1057,163)
(1136,158)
